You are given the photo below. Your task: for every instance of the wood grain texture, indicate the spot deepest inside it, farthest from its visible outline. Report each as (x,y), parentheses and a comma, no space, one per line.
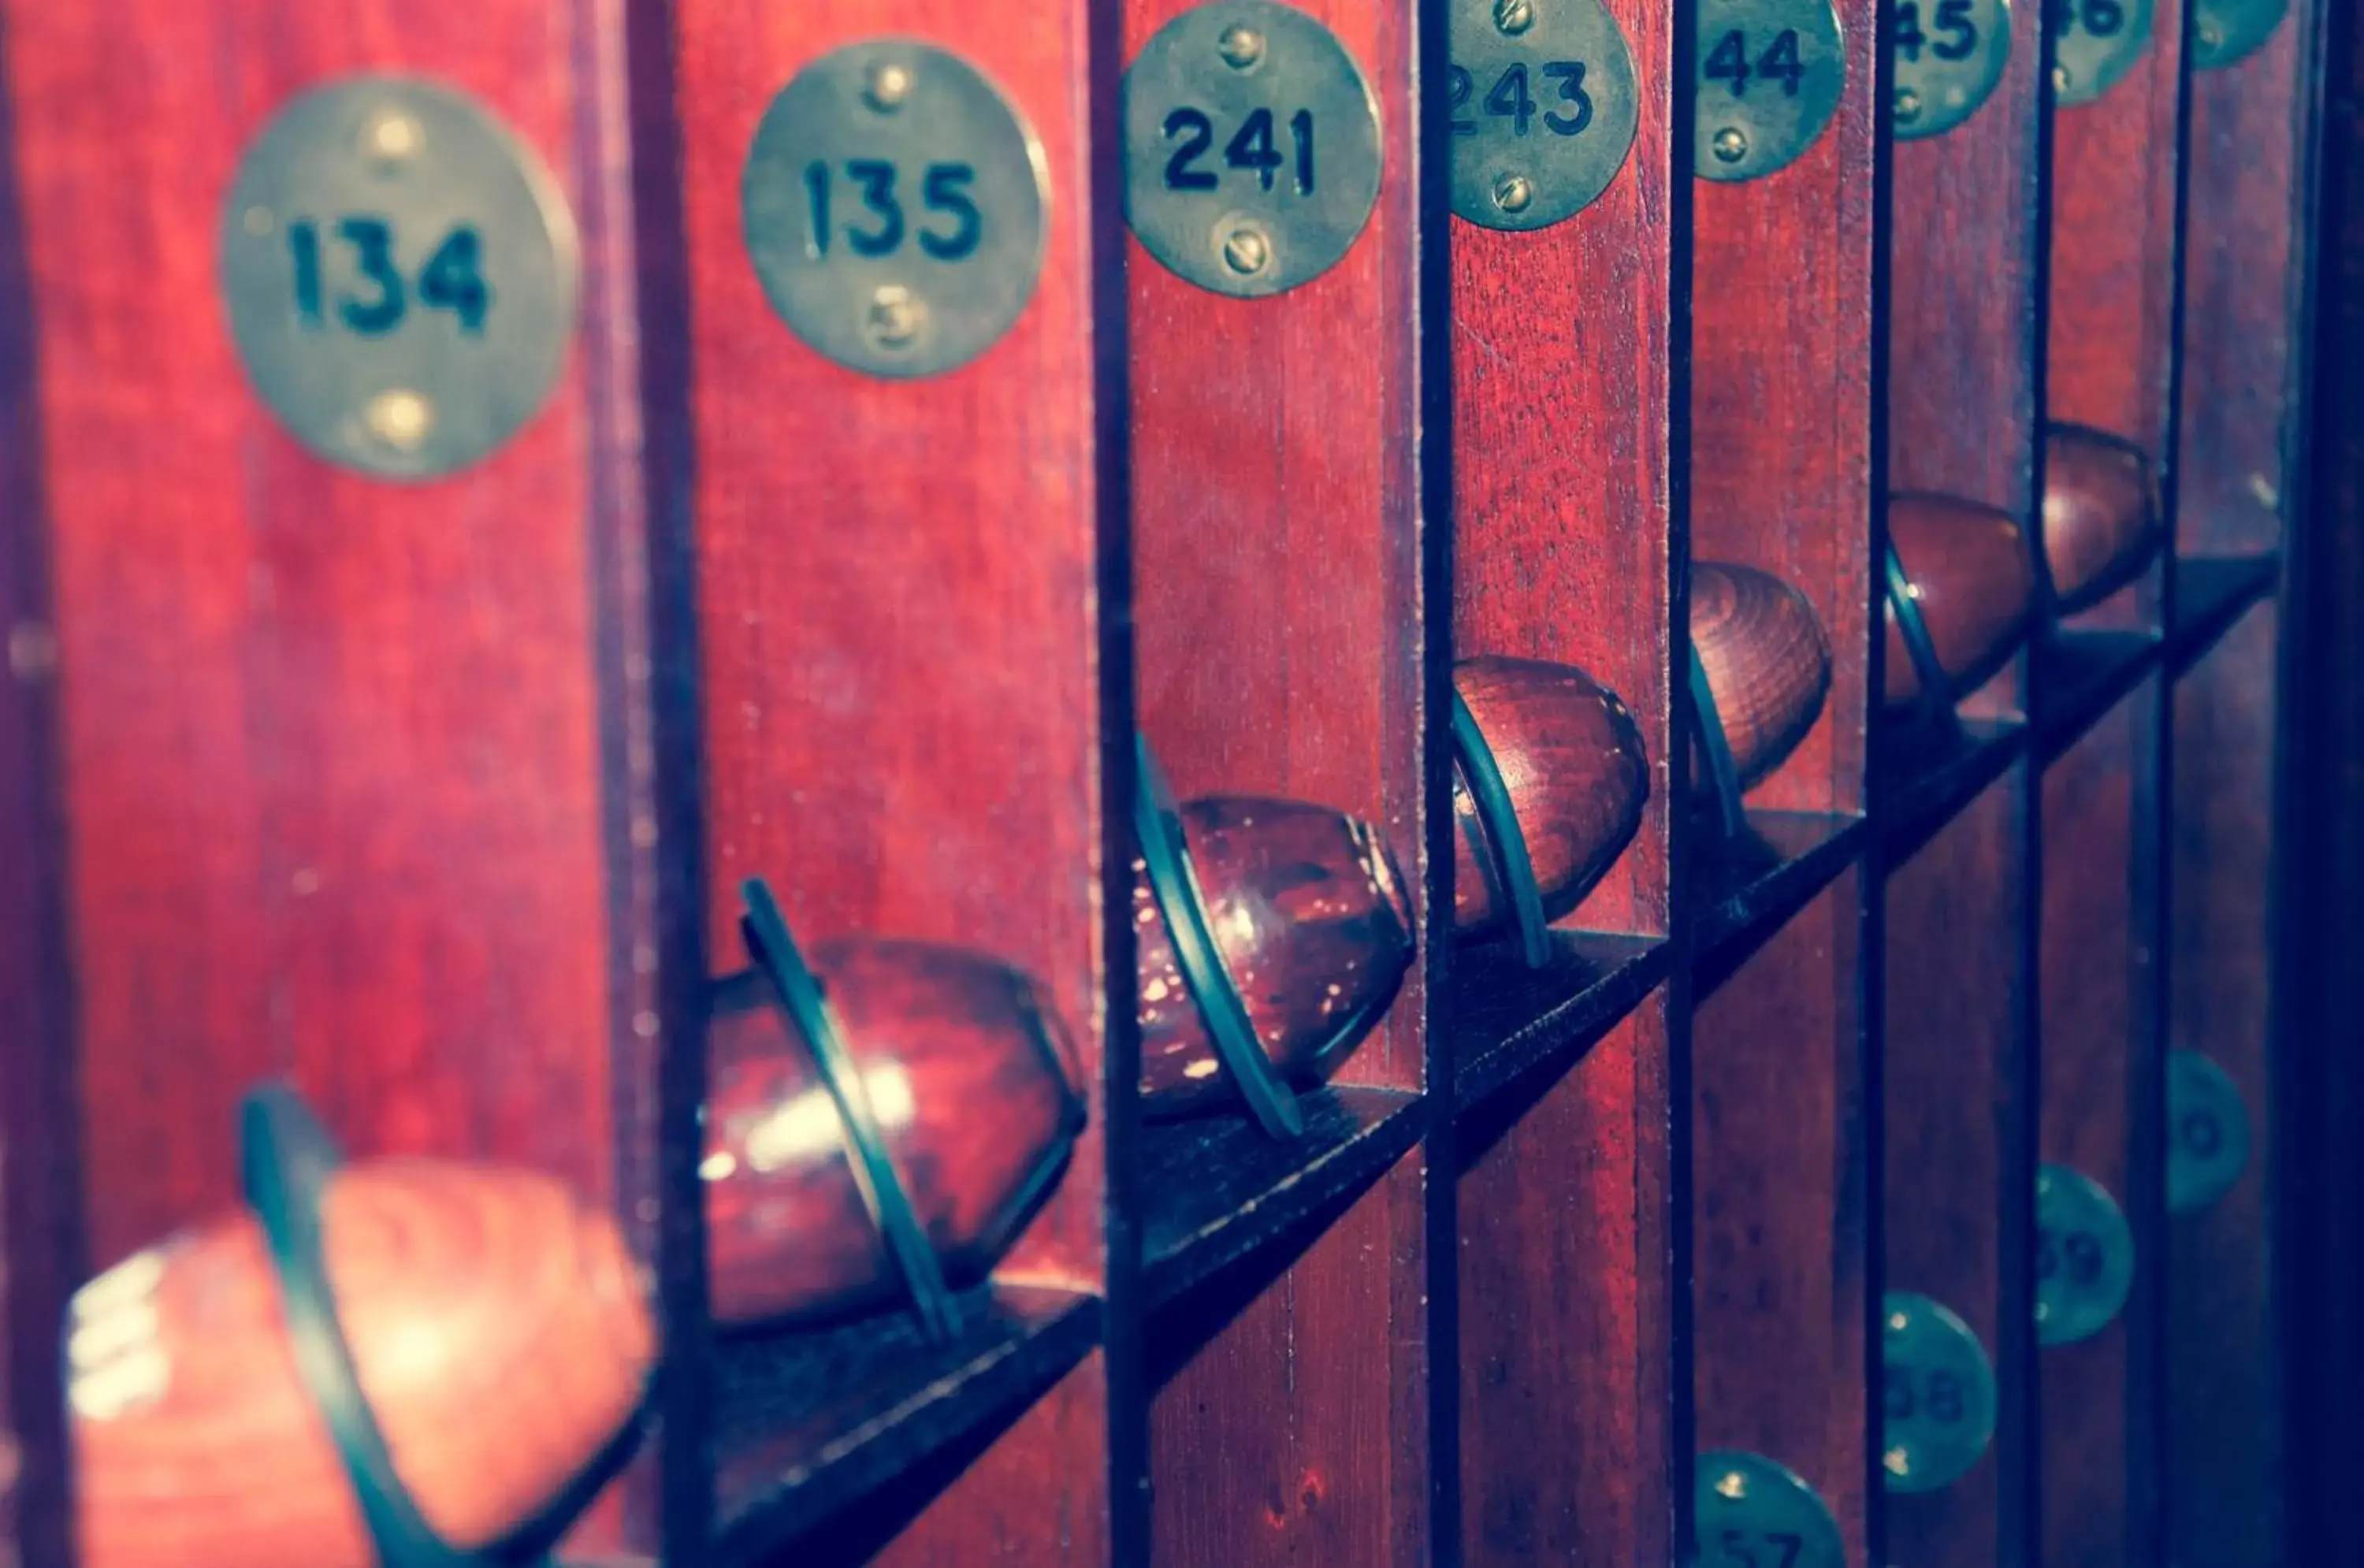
(1780,405)
(1768,665)
(1974,583)
(2243,281)
(2091,1059)
(1566,1370)
(1780,1191)
(1292,1436)
(2226,1356)
(313,826)
(1957,1115)
(1560,411)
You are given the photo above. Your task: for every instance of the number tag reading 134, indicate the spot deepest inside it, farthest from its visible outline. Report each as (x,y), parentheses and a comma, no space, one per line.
(1770,76)
(1949,56)
(400,274)
(1751,1512)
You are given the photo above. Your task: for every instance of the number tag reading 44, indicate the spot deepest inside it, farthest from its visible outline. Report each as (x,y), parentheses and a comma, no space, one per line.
(1544,109)
(895,208)
(1770,76)
(2094,44)
(1753,1513)
(1938,1395)
(2084,1256)
(400,274)
(1251,148)
(1949,56)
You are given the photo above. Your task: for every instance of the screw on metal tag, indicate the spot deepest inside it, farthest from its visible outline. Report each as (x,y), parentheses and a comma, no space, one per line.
(1949,56)
(1749,1510)
(2207,1132)
(2094,44)
(1544,109)
(2224,33)
(895,205)
(1252,155)
(400,273)
(1771,75)
(1938,1395)
(2084,1256)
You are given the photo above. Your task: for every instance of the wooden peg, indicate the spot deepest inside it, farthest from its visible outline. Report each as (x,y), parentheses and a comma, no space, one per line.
(1973,582)
(1768,665)
(1572,761)
(2101,514)
(498,1327)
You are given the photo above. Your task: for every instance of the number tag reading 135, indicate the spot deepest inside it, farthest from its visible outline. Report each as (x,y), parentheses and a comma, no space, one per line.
(1949,56)
(1770,76)
(400,274)
(1544,109)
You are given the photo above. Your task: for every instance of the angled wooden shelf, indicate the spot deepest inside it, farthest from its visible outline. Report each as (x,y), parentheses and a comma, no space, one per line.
(2080,676)
(1510,1020)
(1930,778)
(1755,885)
(2211,594)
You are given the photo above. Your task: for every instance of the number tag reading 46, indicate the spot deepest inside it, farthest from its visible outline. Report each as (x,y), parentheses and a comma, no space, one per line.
(400,274)
(1949,58)
(1770,76)
(2094,44)
(2084,1256)
(1544,109)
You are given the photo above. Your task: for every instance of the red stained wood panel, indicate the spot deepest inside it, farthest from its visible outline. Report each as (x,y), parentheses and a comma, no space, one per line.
(1566,1303)
(1956,1116)
(1020,1504)
(2226,1448)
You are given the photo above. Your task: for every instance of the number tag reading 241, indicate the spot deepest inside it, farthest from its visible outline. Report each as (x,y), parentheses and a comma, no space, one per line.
(2084,1256)
(1770,76)
(895,203)
(1949,56)
(1544,109)
(400,274)
(2094,44)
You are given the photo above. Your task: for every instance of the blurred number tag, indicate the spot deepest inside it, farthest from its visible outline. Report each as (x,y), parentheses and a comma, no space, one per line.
(2094,44)
(1938,1395)
(2226,32)
(1949,56)
(2084,1256)
(401,274)
(894,203)
(1770,76)
(1544,109)
(1753,1513)
(2207,1132)
(1252,151)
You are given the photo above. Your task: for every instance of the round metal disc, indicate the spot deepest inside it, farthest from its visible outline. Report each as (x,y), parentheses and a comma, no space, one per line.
(2224,33)
(400,274)
(1544,109)
(1250,146)
(1748,1509)
(1937,1392)
(2095,43)
(1770,76)
(895,205)
(1949,58)
(2084,1256)
(2207,1132)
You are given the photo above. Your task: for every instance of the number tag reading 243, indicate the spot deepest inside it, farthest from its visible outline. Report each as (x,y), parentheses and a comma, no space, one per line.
(1544,109)
(1949,56)
(400,274)
(1770,76)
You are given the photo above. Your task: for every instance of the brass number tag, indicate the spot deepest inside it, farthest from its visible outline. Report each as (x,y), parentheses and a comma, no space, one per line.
(400,274)
(2084,1256)
(1949,56)
(1749,1510)
(1938,1395)
(895,205)
(2207,1132)
(2226,32)
(1770,76)
(1544,109)
(1252,151)
(2095,43)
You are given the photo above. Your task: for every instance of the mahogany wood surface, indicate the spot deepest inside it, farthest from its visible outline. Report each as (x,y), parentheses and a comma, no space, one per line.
(1314,923)
(1768,664)
(1974,583)
(1573,764)
(2226,1353)
(2102,523)
(1959,1124)
(498,1329)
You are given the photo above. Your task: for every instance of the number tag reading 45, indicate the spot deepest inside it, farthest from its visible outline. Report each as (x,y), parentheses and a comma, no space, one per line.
(2084,1256)
(400,274)
(1751,1512)
(1938,1395)
(1770,76)
(2094,44)
(1544,109)
(1949,56)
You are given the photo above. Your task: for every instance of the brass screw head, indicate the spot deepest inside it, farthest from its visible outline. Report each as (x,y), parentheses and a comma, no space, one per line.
(1908,105)
(1241,46)
(1514,192)
(1898,1462)
(1514,16)
(2061,80)
(2211,36)
(391,137)
(1246,250)
(886,88)
(895,317)
(1731,145)
(1731,1486)
(399,418)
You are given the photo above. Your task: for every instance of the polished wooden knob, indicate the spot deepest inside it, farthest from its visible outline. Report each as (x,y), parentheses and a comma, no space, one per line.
(971,1082)
(1973,583)
(1768,665)
(1308,911)
(498,1327)
(1572,762)
(2101,514)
